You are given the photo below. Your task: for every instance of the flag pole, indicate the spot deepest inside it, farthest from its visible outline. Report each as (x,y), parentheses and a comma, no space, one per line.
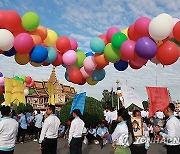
(112,97)
(117,82)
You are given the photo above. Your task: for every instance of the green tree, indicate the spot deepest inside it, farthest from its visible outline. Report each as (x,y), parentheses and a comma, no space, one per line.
(22,107)
(93,112)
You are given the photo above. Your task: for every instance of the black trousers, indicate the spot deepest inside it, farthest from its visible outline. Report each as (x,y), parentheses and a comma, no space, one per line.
(37,132)
(49,146)
(21,132)
(90,137)
(173,149)
(99,138)
(138,149)
(76,146)
(6,152)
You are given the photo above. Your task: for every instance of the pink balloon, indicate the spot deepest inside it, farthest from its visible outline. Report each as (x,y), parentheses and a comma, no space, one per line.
(2,80)
(23,43)
(26,92)
(89,64)
(85,73)
(141,26)
(139,61)
(110,32)
(175,20)
(69,57)
(155,60)
(128,50)
(74,44)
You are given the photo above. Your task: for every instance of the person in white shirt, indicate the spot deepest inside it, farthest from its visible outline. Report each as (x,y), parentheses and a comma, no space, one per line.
(75,133)
(8,131)
(91,136)
(107,115)
(123,136)
(113,119)
(171,133)
(151,132)
(144,114)
(38,124)
(160,115)
(141,143)
(49,133)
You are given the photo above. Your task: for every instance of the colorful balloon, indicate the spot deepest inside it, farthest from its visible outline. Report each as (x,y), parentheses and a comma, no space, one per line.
(138,61)
(31,91)
(1,90)
(86,74)
(74,44)
(21,59)
(118,39)
(28,80)
(132,34)
(98,75)
(121,65)
(146,48)
(176,31)
(110,32)
(97,45)
(36,64)
(131,64)
(1,74)
(125,31)
(112,54)
(75,76)
(89,64)
(67,76)
(51,38)
(89,54)
(70,57)
(36,39)
(6,40)
(155,60)
(168,53)
(40,31)
(80,58)
(1,80)
(103,37)
(26,92)
(52,54)
(30,21)
(39,54)
(100,60)
(58,61)
(91,82)
(10,53)
(63,44)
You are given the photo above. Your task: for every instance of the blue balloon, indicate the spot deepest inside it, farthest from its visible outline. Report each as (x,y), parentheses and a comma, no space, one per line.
(39,54)
(66,76)
(98,75)
(88,54)
(97,45)
(10,53)
(121,65)
(52,54)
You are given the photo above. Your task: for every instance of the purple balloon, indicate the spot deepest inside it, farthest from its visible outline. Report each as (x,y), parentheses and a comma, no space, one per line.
(146,48)
(1,75)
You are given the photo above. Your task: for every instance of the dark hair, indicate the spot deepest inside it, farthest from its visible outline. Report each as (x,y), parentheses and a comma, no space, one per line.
(135,111)
(13,113)
(5,110)
(38,111)
(52,108)
(172,107)
(77,112)
(125,115)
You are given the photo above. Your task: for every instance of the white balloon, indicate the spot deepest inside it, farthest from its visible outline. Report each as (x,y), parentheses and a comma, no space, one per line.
(26,92)
(6,40)
(166,16)
(160,28)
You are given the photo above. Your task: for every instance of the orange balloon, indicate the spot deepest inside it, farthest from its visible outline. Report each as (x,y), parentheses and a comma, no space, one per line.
(100,60)
(41,31)
(35,64)
(36,39)
(21,59)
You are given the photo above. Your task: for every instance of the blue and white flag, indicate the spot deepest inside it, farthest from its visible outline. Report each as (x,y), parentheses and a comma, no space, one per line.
(79,102)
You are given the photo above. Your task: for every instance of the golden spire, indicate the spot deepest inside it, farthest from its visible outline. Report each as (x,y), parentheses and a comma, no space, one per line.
(53,79)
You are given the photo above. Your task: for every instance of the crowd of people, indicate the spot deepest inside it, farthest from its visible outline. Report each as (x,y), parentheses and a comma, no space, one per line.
(117,128)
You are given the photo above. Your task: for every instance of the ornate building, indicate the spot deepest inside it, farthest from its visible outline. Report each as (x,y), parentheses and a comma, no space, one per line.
(39,99)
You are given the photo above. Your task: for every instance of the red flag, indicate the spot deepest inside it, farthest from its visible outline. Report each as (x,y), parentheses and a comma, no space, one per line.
(158,99)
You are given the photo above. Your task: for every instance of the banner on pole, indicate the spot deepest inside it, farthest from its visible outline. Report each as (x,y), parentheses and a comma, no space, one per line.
(79,102)
(158,99)
(51,93)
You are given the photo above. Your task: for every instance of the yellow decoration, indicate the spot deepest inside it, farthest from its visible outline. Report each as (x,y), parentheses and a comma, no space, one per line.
(51,93)
(14,92)
(51,38)
(125,31)
(91,82)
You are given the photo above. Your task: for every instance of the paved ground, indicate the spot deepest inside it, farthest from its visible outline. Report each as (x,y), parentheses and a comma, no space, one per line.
(32,148)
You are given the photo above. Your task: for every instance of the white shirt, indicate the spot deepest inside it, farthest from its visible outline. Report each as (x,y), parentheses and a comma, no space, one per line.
(8,132)
(160,115)
(76,129)
(150,129)
(144,114)
(92,131)
(172,131)
(50,128)
(120,135)
(38,120)
(114,115)
(108,116)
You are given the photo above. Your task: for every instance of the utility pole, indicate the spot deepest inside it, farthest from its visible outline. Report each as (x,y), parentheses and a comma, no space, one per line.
(117,82)
(112,99)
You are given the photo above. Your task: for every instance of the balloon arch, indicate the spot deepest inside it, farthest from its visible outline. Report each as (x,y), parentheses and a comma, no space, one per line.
(157,40)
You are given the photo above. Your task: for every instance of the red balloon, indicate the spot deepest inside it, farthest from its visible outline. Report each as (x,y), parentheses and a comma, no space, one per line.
(32,84)
(2,18)
(1,52)
(58,61)
(168,53)
(176,31)
(100,60)
(19,30)
(12,21)
(1,91)
(83,82)
(138,61)
(76,76)
(132,34)
(134,66)
(45,64)
(103,37)
(63,44)
(28,80)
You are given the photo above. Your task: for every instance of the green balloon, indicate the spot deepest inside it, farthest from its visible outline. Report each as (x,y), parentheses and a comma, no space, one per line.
(118,39)
(20,79)
(111,53)
(23,77)
(30,21)
(78,50)
(16,77)
(31,91)
(175,41)
(80,58)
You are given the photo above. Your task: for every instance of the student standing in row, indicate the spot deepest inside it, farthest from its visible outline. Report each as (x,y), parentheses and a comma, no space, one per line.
(38,124)
(8,131)
(75,133)
(49,133)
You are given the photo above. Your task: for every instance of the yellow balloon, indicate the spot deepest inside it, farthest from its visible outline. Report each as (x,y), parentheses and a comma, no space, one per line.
(91,82)
(21,59)
(35,64)
(125,31)
(51,38)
